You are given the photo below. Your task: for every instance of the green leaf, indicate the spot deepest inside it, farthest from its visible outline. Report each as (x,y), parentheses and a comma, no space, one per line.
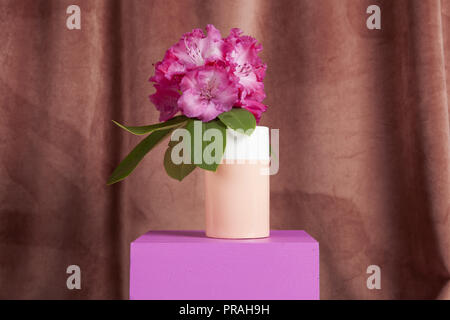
(239,119)
(172,123)
(176,171)
(198,145)
(135,156)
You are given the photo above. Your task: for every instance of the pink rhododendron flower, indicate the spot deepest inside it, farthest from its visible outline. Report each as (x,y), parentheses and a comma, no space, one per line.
(242,54)
(207,92)
(166,101)
(195,49)
(167,70)
(205,75)
(255,107)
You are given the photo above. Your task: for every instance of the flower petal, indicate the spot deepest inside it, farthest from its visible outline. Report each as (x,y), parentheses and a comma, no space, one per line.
(255,107)
(165,100)
(207,92)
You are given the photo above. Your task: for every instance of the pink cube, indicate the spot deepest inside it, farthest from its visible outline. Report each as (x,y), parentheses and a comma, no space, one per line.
(186,265)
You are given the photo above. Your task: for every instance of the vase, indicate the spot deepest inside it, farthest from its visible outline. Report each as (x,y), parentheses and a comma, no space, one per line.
(237,194)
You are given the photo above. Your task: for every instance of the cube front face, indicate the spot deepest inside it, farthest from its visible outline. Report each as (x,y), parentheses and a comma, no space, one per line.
(194,267)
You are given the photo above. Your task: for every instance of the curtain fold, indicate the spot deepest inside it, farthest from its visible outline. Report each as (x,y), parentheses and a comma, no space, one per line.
(364,139)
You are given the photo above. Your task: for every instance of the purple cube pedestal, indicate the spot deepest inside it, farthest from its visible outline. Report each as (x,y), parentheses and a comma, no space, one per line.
(186,265)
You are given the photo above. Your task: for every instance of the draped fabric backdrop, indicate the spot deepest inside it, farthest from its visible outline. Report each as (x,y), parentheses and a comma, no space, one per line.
(364,139)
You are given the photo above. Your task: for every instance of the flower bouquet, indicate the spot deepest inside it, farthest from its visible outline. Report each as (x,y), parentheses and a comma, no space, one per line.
(204,83)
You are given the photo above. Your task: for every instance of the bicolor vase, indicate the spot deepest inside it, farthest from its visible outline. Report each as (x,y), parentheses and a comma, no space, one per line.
(237,195)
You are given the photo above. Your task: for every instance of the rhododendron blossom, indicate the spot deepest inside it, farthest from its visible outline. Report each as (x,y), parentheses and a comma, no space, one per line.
(202,76)
(207,92)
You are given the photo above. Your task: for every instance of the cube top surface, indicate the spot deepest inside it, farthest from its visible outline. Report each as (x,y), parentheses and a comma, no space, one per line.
(183,236)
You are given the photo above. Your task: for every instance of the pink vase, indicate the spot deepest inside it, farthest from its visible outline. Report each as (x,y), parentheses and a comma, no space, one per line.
(237,195)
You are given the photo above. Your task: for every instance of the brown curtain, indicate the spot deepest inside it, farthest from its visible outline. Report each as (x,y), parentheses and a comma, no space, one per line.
(364,139)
